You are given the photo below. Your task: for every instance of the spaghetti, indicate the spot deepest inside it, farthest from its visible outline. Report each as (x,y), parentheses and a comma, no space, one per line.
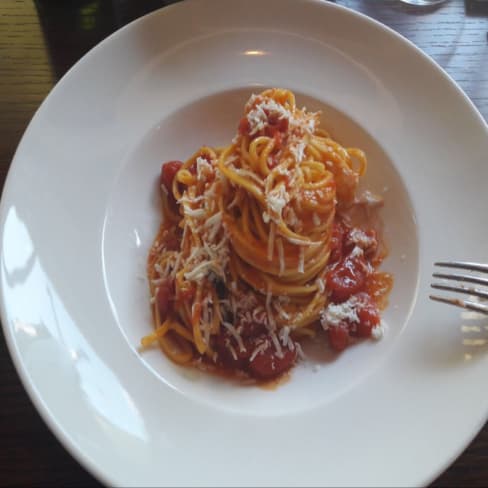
(255,252)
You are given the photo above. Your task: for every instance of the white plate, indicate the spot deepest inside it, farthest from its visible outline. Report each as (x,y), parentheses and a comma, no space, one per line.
(79,211)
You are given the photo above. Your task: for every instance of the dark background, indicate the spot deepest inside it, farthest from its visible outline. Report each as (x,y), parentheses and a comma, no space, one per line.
(40,40)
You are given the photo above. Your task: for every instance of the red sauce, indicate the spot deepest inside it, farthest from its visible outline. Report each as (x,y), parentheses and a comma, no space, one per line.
(163,298)
(276,126)
(336,246)
(369,316)
(339,337)
(268,365)
(168,172)
(347,278)
(352,275)
(244,127)
(265,365)
(379,286)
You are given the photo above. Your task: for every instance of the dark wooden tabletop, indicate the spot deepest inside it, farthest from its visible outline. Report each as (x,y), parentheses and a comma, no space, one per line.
(40,40)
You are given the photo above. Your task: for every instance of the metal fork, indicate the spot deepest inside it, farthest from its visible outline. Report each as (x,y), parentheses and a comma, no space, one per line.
(463,278)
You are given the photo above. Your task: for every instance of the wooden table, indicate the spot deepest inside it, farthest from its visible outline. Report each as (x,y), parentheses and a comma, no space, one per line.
(40,41)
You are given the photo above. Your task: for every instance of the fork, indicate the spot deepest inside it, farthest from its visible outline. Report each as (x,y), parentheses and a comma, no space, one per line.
(463,278)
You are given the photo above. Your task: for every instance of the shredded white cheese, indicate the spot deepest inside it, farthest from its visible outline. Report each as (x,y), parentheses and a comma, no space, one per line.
(281,311)
(214,224)
(370,199)
(261,347)
(301,260)
(198,272)
(277,199)
(334,314)
(356,252)
(298,151)
(233,331)
(231,349)
(300,352)
(378,331)
(360,238)
(277,345)
(281,255)
(203,167)
(259,115)
(259,316)
(320,285)
(195,213)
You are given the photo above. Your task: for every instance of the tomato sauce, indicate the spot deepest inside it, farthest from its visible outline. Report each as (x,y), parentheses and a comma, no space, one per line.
(168,173)
(259,357)
(352,276)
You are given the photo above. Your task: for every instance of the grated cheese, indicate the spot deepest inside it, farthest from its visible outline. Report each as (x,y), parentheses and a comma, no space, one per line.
(301,261)
(195,213)
(281,255)
(176,267)
(235,334)
(356,252)
(203,167)
(370,199)
(259,316)
(231,349)
(277,345)
(378,332)
(300,352)
(320,285)
(334,314)
(258,116)
(359,237)
(187,199)
(277,199)
(285,338)
(261,347)
(281,311)
(298,151)
(198,272)
(214,224)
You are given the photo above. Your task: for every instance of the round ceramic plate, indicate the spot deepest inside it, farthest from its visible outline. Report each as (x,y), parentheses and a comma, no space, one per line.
(80,209)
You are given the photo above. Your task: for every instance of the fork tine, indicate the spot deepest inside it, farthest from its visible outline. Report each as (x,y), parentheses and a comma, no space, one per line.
(476,307)
(462,289)
(462,277)
(464,265)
